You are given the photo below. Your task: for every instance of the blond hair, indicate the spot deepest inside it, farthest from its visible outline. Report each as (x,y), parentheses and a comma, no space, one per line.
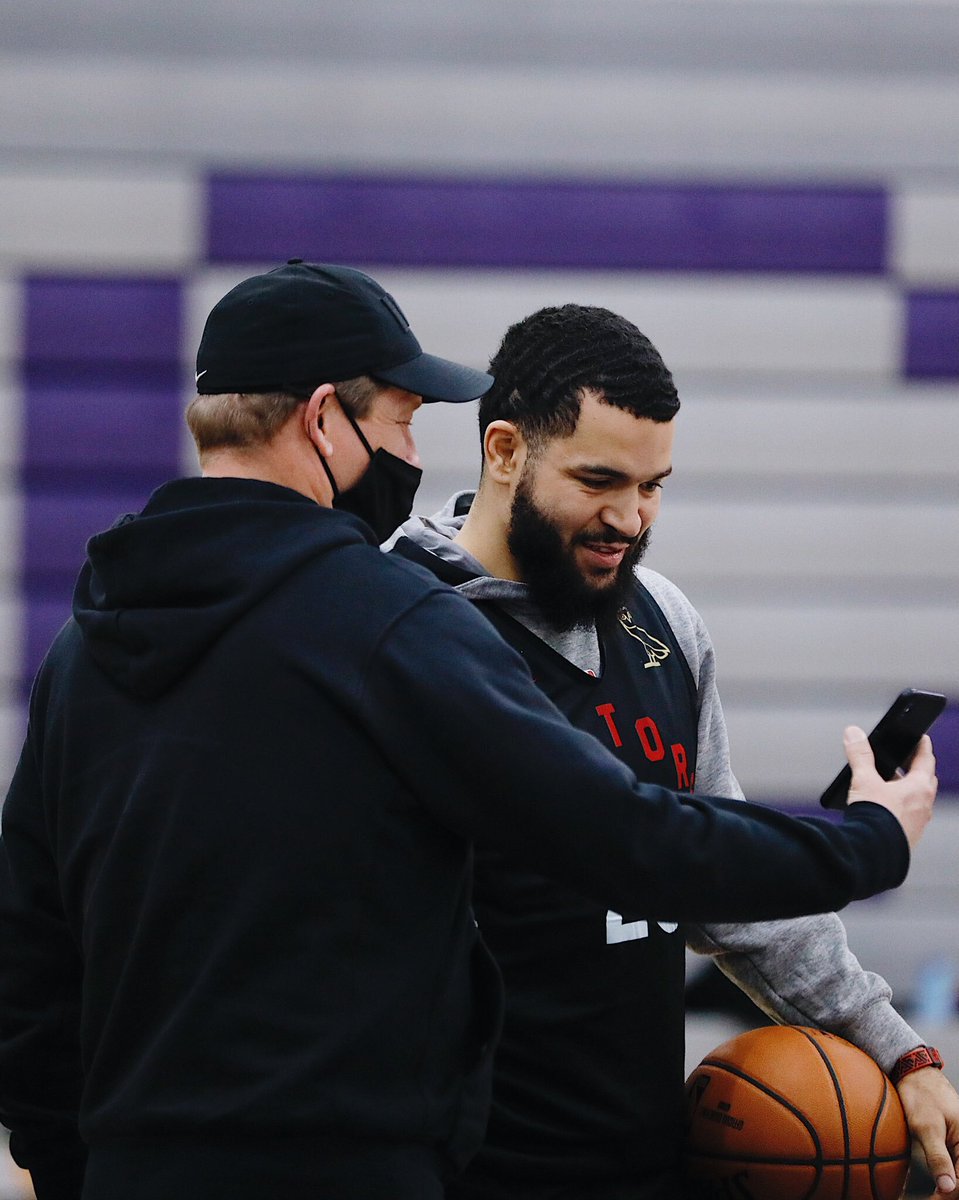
(246,419)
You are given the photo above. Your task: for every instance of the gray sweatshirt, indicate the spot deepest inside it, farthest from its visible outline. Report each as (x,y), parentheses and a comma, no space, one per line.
(800,971)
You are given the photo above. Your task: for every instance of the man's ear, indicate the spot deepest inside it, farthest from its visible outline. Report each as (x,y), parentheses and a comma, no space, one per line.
(315,413)
(504,451)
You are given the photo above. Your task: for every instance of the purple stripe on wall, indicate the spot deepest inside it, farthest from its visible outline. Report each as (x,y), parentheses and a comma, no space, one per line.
(43,619)
(945,740)
(100,439)
(102,322)
(932,335)
(101,375)
(525,223)
(57,526)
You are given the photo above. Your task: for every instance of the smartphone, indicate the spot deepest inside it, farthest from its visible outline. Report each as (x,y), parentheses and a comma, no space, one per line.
(893,740)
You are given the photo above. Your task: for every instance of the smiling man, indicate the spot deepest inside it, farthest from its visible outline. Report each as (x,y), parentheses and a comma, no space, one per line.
(577,435)
(580,517)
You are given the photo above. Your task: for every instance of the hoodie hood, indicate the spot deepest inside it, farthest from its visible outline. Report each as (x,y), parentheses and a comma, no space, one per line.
(160,586)
(451,562)
(436,534)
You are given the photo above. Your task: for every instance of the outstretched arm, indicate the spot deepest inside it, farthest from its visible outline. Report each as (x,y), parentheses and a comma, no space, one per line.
(543,789)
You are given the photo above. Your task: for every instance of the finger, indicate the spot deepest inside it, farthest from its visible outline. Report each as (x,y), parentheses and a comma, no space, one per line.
(923,759)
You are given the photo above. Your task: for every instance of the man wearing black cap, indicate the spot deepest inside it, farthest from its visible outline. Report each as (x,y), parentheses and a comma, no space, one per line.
(238,955)
(263,338)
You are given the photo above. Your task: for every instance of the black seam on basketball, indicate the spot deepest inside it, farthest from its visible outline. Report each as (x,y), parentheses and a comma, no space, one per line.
(872,1140)
(876,1159)
(787,1104)
(840,1100)
(768,1159)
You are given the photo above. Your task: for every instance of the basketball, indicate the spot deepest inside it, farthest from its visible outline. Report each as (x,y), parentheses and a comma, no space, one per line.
(788,1113)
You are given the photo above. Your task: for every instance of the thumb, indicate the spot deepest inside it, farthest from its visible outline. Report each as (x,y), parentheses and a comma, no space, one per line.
(861,760)
(858,752)
(939,1166)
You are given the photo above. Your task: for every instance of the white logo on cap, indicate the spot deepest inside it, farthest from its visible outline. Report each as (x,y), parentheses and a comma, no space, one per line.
(198,374)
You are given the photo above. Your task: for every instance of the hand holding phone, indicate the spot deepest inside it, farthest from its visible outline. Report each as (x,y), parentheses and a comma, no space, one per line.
(893,740)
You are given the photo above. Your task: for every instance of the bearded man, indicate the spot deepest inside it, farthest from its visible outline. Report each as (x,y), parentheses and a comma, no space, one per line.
(577,435)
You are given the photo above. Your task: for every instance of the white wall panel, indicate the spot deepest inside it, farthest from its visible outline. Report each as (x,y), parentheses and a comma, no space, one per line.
(799,539)
(900,946)
(11,640)
(877,37)
(11,431)
(203,289)
(706,1031)
(10,325)
(830,645)
(14,1182)
(925,235)
(569,119)
(735,324)
(786,753)
(73,217)
(12,727)
(932,873)
(848,431)
(11,526)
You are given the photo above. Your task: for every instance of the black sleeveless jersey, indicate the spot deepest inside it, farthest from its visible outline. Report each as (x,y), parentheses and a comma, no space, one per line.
(589,1072)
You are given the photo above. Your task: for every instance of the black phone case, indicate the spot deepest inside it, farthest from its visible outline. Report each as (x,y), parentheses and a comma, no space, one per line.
(893,740)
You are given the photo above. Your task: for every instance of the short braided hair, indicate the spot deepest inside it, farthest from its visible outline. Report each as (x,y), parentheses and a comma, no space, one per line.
(547,362)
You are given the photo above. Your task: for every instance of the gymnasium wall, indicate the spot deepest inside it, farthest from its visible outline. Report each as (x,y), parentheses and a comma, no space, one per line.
(769,189)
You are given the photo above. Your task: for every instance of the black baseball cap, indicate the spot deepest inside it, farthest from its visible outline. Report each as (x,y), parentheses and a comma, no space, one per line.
(304,324)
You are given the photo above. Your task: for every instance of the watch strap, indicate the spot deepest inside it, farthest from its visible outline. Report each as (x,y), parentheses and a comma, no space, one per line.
(915,1060)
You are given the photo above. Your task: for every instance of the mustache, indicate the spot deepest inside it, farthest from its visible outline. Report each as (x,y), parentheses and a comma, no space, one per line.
(608,536)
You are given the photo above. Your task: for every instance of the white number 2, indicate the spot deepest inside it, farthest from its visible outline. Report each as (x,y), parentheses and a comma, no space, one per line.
(632,931)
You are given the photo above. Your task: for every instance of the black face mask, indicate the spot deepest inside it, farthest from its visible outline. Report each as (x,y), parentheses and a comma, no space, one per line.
(383,495)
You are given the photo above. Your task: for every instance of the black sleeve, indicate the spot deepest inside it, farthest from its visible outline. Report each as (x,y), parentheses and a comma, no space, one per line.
(456,711)
(40,982)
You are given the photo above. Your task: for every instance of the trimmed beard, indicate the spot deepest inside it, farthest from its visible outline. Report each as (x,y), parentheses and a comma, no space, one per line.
(548,567)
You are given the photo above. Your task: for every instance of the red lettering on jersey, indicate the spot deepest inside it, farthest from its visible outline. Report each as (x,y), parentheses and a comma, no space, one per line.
(606,712)
(652,743)
(683,779)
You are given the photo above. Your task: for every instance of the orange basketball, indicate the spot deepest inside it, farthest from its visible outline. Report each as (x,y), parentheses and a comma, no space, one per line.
(787,1113)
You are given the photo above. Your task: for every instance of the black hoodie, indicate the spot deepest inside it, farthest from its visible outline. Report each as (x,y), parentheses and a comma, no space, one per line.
(235,871)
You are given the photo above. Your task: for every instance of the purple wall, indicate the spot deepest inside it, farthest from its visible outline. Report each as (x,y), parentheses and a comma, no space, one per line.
(102,384)
(932,335)
(526,223)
